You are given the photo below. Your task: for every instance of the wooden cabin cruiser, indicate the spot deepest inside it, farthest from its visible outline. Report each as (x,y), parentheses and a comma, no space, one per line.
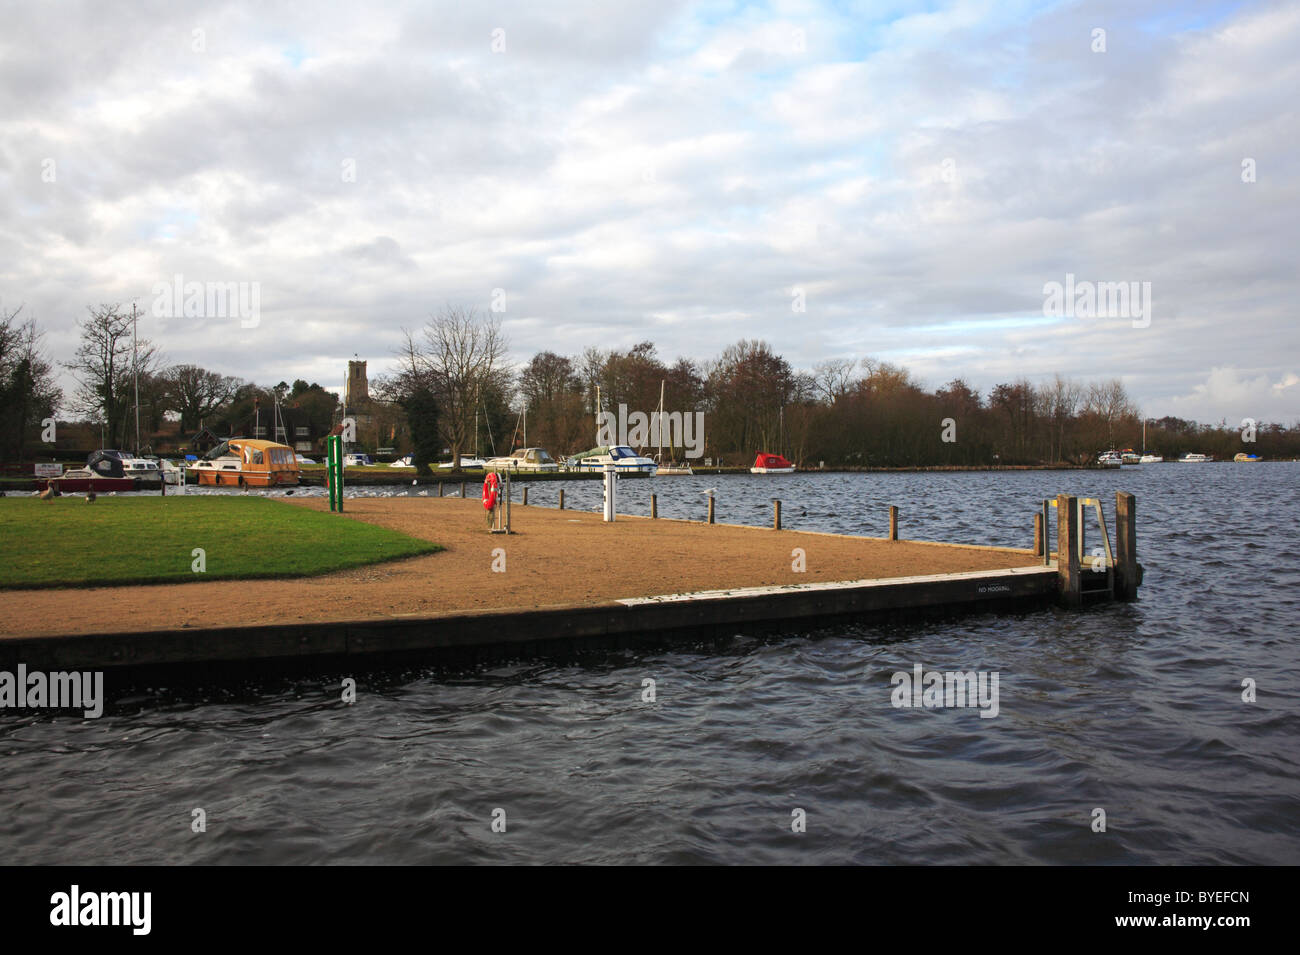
(245,462)
(765,463)
(625,461)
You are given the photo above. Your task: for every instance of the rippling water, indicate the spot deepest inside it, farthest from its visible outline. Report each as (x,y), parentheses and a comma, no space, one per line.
(1132,708)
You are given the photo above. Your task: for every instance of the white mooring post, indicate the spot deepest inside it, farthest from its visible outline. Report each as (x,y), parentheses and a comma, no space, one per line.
(611,485)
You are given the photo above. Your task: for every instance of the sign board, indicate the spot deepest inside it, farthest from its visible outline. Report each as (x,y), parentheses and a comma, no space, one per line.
(48,469)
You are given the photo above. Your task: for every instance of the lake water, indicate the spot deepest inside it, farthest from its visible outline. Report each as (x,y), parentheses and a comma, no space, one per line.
(1132,708)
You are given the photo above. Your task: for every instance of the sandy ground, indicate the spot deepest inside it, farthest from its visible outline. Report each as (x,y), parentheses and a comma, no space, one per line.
(553,558)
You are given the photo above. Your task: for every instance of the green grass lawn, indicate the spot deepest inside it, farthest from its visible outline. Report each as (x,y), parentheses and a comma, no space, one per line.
(66,542)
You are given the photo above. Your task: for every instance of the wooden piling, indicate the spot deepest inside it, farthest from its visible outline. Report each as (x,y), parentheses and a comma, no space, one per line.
(462,488)
(1069,578)
(1047,529)
(776,514)
(440,485)
(525,493)
(893,522)
(710,509)
(561,498)
(654,507)
(1126,563)
(1039,542)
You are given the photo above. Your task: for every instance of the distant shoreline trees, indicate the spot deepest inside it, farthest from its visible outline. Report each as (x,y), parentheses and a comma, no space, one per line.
(454,390)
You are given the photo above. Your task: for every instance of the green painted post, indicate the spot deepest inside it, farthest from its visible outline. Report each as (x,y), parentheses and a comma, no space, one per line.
(334,471)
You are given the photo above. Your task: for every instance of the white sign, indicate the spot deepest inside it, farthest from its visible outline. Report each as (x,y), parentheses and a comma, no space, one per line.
(48,469)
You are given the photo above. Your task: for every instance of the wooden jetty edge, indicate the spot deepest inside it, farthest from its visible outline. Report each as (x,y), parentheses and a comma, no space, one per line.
(1000,578)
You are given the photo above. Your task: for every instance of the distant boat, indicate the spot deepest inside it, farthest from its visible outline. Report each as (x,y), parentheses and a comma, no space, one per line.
(765,463)
(625,461)
(1192,458)
(1130,457)
(1243,457)
(1152,459)
(1110,459)
(670,467)
(525,459)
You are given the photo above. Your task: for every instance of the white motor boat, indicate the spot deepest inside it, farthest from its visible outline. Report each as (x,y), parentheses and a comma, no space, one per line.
(1191,458)
(1152,459)
(525,459)
(624,459)
(1110,459)
(466,464)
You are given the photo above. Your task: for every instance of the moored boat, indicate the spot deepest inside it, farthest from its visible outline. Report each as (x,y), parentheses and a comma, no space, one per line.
(765,463)
(245,462)
(1193,458)
(623,458)
(1110,459)
(1152,459)
(525,459)
(1244,458)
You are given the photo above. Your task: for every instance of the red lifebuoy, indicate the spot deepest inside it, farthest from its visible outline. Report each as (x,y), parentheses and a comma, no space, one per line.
(491,484)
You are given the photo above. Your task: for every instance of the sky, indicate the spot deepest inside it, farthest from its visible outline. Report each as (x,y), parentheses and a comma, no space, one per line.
(895,180)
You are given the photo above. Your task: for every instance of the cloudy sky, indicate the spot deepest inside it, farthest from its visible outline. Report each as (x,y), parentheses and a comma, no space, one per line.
(911,175)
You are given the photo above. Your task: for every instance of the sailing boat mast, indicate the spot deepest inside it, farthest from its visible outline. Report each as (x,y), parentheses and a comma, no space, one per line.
(135,366)
(661,421)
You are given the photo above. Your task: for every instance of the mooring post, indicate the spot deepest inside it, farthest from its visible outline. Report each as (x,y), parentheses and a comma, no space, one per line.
(525,494)
(561,498)
(1045,516)
(776,514)
(710,508)
(1126,563)
(462,488)
(654,507)
(1038,535)
(1067,550)
(893,523)
(440,484)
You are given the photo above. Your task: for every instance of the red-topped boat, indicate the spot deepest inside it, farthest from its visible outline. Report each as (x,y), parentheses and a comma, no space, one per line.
(765,463)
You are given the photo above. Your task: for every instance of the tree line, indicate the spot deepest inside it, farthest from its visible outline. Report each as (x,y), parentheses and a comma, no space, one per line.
(456,389)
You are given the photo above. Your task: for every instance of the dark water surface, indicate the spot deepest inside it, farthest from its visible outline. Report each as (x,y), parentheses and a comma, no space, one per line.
(1133,708)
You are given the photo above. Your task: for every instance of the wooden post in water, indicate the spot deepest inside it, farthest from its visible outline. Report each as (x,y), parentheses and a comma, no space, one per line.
(462,488)
(776,514)
(525,493)
(440,484)
(1126,563)
(1045,517)
(710,508)
(654,507)
(1067,550)
(1038,535)
(893,523)
(561,498)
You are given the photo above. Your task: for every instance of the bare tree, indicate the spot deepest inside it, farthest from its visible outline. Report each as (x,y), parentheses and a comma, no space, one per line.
(104,368)
(834,379)
(1110,403)
(196,392)
(462,356)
